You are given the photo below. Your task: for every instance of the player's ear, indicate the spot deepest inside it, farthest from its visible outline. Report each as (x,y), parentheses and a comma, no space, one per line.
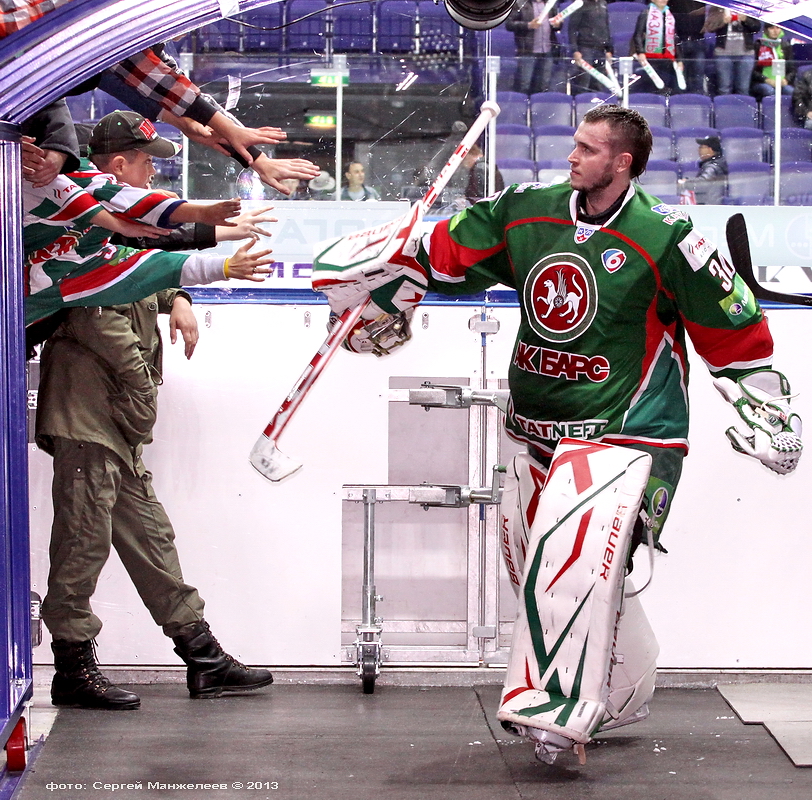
(623,162)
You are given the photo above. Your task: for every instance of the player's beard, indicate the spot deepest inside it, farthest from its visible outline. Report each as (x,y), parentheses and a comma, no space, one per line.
(599,184)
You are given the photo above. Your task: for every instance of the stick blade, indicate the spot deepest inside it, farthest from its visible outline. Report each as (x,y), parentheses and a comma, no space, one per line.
(270,462)
(738,243)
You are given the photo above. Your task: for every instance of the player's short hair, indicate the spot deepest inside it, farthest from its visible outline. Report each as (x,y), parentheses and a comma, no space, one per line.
(631,132)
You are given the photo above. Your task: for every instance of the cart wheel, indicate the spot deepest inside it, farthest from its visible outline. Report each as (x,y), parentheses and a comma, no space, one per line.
(15,748)
(369,671)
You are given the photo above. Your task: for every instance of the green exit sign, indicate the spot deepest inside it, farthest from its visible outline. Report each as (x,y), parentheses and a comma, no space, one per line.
(329,77)
(320,120)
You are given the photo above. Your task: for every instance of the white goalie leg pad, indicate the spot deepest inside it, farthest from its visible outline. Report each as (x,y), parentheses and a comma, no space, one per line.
(570,599)
(631,685)
(524,480)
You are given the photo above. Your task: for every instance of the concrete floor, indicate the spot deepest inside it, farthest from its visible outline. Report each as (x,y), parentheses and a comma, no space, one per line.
(306,742)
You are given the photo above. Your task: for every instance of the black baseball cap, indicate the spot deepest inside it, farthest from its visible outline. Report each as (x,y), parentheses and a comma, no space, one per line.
(714,142)
(126,130)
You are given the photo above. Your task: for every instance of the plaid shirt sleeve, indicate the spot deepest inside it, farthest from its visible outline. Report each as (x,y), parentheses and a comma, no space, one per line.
(19,13)
(153,77)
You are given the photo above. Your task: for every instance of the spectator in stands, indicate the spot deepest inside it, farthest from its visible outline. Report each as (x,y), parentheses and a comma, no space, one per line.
(802,99)
(322,187)
(355,188)
(469,183)
(708,187)
(689,16)
(294,189)
(654,45)
(591,41)
(734,53)
(536,46)
(769,48)
(475,172)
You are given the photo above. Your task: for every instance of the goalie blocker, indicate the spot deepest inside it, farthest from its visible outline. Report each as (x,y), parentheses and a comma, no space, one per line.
(581,658)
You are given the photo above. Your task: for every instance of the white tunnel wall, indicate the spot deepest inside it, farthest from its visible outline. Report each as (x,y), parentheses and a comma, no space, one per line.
(732,592)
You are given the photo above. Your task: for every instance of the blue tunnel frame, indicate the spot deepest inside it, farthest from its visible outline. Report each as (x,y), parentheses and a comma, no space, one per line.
(38,64)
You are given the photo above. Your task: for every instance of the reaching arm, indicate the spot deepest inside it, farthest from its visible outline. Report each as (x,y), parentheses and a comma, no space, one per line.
(243,265)
(207,213)
(274,170)
(245,225)
(124,227)
(182,319)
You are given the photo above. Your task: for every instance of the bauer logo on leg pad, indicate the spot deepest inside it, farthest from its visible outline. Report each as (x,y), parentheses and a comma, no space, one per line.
(560,661)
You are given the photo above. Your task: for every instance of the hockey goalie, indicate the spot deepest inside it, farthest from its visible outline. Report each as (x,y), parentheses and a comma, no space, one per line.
(610,281)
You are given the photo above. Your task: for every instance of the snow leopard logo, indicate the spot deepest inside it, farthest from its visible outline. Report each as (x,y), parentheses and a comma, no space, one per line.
(558,295)
(561,298)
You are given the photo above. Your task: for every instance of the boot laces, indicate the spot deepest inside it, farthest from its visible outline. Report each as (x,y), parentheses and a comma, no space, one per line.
(90,671)
(220,649)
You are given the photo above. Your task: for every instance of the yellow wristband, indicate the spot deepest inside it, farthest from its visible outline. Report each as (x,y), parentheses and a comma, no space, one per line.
(225,268)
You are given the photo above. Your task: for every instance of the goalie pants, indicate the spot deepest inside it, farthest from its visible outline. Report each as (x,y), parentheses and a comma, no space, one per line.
(99,502)
(666,469)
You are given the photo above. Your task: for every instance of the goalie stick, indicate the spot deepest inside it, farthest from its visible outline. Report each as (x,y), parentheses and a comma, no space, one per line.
(265,456)
(739,245)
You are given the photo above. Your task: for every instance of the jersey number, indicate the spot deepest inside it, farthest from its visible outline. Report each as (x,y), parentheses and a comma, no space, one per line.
(724,272)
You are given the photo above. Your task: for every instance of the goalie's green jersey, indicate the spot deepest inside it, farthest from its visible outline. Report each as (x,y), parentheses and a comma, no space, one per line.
(600,352)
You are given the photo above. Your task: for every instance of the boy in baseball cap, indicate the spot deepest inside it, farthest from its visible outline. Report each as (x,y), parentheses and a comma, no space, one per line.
(126,130)
(123,144)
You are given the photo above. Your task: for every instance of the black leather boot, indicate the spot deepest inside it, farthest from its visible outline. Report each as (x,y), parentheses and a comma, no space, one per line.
(78,682)
(210,670)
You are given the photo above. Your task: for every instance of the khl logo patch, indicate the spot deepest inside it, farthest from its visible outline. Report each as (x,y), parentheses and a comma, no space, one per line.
(583,232)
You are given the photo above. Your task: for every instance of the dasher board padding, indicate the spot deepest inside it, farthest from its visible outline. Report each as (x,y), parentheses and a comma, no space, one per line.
(784,709)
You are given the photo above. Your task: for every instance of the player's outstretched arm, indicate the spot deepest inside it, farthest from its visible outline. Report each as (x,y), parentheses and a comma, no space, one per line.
(375,267)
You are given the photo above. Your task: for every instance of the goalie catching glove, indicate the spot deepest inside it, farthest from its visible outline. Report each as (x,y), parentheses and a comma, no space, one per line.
(774,435)
(376,263)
